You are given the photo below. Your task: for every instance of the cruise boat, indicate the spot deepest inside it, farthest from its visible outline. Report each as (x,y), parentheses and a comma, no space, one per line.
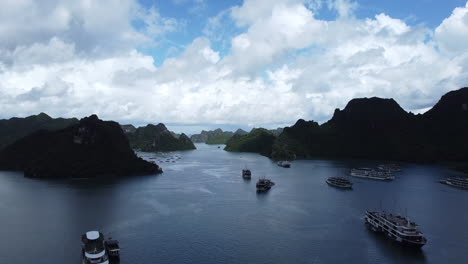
(264,185)
(246,174)
(93,248)
(396,228)
(284,164)
(373,174)
(340,182)
(389,167)
(459,182)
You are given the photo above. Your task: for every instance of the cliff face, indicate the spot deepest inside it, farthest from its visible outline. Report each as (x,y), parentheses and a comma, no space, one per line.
(91,148)
(446,126)
(158,138)
(15,128)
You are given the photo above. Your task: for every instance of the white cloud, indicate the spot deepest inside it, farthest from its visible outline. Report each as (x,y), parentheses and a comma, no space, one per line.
(284,64)
(452,34)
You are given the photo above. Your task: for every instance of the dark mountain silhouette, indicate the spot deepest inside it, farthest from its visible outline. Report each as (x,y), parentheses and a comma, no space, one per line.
(91,148)
(217,136)
(445,126)
(375,128)
(15,128)
(158,138)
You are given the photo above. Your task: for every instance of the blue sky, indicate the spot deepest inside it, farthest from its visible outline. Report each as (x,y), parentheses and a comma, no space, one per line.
(429,13)
(203,64)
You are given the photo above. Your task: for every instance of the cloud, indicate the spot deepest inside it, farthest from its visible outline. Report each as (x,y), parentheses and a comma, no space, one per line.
(281,62)
(452,34)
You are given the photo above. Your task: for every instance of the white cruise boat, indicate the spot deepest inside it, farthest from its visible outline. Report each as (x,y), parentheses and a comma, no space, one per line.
(396,228)
(93,248)
(373,174)
(459,182)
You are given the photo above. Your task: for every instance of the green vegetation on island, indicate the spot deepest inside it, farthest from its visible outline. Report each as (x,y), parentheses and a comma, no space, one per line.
(259,140)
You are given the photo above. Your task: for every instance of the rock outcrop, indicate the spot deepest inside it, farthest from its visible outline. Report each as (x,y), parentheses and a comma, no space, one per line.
(158,138)
(92,148)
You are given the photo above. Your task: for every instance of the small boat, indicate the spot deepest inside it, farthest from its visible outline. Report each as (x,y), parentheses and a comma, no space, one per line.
(340,182)
(113,249)
(264,185)
(397,228)
(284,164)
(459,182)
(372,174)
(246,174)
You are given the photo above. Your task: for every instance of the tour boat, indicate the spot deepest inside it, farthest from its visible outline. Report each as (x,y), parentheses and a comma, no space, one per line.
(340,182)
(396,228)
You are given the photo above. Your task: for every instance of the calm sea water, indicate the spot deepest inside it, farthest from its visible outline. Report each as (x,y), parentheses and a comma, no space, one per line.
(201,211)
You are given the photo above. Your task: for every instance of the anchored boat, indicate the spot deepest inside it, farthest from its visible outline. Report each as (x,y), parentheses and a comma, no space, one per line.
(373,174)
(389,167)
(246,174)
(396,228)
(340,182)
(459,182)
(284,164)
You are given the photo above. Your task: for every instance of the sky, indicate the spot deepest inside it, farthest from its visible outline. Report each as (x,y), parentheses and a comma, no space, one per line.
(203,64)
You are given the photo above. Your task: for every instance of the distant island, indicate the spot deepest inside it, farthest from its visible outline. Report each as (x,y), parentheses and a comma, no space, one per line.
(153,138)
(217,136)
(91,148)
(372,128)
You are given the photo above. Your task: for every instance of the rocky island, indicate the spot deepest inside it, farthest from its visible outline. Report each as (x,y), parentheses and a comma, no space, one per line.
(217,136)
(259,140)
(152,138)
(373,128)
(91,148)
